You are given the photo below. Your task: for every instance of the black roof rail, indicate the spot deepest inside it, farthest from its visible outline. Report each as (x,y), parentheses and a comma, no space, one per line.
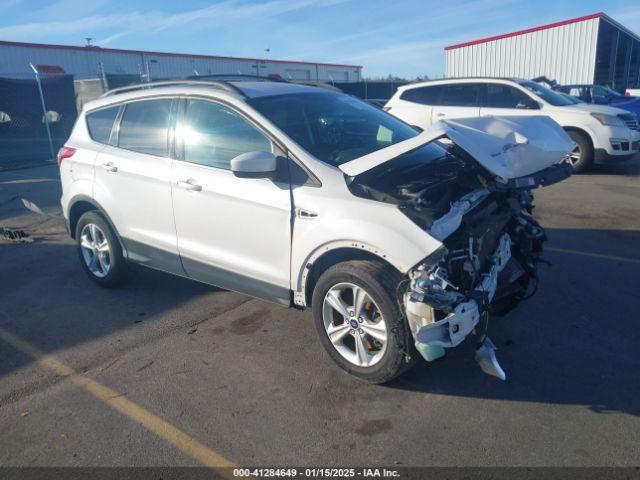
(238,76)
(220,84)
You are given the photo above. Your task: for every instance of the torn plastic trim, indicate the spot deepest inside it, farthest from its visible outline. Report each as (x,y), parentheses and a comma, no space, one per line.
(449,222)
(429,290)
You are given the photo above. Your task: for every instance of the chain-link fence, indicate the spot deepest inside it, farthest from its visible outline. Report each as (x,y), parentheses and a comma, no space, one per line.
(26,114)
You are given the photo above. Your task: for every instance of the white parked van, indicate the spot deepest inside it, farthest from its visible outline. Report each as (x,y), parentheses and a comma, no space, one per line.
(601,133)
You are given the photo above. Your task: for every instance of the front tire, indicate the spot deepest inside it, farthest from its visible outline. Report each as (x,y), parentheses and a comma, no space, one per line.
(99,250)
(582,155)
(359,321)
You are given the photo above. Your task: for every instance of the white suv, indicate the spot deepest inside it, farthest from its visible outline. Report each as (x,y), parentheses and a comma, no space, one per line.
(399,242)
(601,133)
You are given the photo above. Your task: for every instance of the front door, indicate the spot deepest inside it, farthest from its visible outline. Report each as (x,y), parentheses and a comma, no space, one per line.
(500,99)
(457,100)
(232,232)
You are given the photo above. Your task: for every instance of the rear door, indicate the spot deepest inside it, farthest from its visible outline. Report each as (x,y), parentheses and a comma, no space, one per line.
(132,183)
(232,232)
(457,100)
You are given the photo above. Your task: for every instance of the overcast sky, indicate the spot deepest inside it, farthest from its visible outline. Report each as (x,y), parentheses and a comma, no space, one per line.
(404,38)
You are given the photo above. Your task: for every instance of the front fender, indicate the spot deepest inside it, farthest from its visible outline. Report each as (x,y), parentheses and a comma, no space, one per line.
(383,232)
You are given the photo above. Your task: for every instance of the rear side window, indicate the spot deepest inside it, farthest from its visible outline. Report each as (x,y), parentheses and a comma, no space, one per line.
(423,95)
(504,96)
(460,95)
(213,134)
(144,127)
(100,123)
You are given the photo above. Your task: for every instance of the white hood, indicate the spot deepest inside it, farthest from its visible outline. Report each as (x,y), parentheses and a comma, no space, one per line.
(591,108)
(509,147)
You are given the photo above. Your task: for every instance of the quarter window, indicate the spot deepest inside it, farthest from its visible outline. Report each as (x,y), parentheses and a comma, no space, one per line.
(213,134)
(504,96)
(100,123)
(423,95)
(144,127)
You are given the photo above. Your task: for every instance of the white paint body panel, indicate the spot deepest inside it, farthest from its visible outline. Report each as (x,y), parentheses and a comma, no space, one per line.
(234,224)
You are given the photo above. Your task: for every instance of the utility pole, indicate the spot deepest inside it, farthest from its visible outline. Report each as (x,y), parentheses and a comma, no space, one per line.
(44,110)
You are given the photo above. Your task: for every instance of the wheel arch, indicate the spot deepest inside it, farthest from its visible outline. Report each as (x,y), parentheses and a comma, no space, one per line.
(321,260)
(81,204)
(581,131)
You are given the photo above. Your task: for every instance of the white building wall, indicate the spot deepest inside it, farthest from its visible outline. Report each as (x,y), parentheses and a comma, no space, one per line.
(565,53)
(83,64)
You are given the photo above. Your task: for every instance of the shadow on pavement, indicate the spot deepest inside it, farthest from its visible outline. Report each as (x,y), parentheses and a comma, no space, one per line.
(575,342)
(48,301)
(629,167)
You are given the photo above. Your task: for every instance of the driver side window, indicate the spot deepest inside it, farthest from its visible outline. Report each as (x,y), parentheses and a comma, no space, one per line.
(213,134)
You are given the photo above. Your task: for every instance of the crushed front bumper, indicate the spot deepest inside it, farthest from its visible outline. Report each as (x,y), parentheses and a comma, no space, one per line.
(451,330)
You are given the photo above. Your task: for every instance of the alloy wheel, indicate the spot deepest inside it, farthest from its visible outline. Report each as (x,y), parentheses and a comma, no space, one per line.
(354,324)
(575,155)
(96,251)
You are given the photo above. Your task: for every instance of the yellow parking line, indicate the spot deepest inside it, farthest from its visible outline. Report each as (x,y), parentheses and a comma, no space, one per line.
(595,255)
(155,424)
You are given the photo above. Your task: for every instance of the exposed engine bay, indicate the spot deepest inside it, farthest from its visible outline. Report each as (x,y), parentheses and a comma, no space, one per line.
(491,244)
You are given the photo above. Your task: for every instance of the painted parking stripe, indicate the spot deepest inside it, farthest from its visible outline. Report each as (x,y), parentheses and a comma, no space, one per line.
(176,437)
(594,255)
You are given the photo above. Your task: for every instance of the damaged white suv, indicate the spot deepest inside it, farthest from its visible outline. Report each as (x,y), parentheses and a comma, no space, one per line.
(399,242)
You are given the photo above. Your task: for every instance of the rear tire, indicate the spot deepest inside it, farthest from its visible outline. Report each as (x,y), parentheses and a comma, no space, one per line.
(99,251)
(582,155)
(378,318)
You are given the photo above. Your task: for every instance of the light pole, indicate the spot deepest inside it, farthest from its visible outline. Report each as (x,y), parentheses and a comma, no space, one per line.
(44,110)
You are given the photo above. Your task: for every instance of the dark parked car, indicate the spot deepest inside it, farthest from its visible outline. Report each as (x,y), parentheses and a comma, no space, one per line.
(601,95)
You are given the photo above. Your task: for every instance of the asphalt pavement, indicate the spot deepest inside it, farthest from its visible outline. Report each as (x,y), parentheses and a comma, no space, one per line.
(171,372)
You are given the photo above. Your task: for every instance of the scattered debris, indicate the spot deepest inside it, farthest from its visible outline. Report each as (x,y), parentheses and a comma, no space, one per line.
(25,413)
(193,330)
(33,207)
(15,235)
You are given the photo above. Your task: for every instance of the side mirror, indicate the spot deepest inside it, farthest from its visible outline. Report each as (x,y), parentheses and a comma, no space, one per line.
(254,165)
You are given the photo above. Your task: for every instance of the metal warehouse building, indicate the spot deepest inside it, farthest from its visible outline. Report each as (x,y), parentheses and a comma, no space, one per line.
(590,49)
(95,62)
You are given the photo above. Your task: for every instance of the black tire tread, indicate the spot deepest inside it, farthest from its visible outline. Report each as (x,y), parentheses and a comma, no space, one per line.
(120,270)
(385,280)
(587,150)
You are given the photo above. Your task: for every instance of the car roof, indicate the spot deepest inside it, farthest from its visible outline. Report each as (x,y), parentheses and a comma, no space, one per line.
(444,81)
(240,90)
(263,89)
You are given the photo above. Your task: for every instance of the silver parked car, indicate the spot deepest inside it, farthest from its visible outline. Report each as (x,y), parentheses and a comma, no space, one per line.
(399,242)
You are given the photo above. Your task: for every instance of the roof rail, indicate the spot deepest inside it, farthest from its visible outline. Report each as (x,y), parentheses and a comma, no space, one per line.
(229,77)
(222,85)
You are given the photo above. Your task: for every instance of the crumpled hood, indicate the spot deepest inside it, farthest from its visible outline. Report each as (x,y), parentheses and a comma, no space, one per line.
(509,147)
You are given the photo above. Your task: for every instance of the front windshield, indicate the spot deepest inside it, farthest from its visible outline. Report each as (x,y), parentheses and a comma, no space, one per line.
(333,127)
(549,96)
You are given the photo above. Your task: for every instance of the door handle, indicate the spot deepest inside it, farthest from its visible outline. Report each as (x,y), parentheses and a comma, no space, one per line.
(110,167)
(190,185)
(441,114)
(306,214)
